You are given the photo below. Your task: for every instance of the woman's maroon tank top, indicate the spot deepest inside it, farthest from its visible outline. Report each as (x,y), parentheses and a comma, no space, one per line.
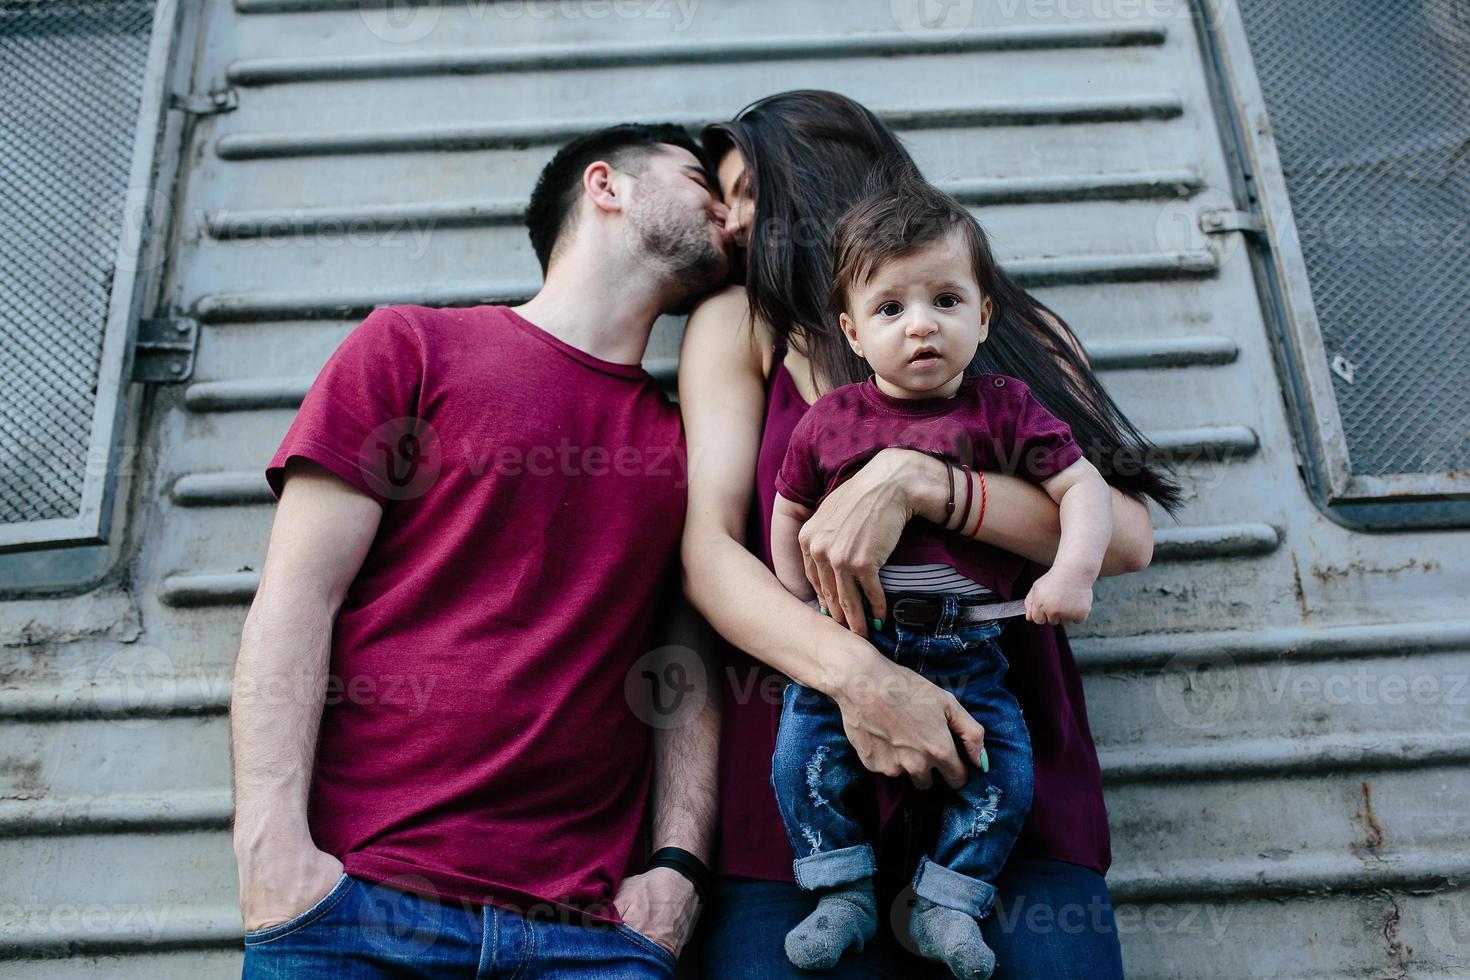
(1068,820)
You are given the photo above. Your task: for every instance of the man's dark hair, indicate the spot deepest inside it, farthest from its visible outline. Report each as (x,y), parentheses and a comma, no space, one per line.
(559,188)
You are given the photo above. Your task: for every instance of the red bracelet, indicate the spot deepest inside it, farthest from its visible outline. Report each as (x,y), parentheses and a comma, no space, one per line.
(983,495)
(969,496)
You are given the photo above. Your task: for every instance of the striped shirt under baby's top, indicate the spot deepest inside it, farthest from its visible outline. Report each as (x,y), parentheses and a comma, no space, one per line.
(928,578)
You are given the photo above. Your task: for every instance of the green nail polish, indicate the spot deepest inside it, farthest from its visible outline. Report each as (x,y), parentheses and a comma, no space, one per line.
(825,613)
(878,624)
(984,761)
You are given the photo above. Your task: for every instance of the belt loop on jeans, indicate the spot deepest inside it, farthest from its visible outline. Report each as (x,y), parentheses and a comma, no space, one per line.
(949,614)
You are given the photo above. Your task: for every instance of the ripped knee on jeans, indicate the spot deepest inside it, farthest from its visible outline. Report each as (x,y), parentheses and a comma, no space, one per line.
(977,816)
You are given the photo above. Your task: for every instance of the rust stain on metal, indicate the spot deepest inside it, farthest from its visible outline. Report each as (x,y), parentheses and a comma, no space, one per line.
(1326,573)
(1399,954)
(1374,836)
(1296,585)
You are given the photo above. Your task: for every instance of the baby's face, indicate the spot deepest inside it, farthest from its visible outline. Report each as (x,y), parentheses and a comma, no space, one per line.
(919,319)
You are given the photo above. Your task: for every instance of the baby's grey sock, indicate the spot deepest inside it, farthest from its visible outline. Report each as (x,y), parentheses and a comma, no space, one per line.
(953,938)
(845,918)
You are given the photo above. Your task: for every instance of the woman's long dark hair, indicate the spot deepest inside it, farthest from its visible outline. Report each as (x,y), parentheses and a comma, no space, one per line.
(810,156)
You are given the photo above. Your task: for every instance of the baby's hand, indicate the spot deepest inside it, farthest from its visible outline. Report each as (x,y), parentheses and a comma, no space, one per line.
(1059,597)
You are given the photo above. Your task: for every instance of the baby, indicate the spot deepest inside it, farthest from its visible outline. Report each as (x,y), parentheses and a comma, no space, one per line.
(913,284)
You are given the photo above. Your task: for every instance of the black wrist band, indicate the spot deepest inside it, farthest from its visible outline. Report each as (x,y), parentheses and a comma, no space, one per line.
(949,503)
(686,864)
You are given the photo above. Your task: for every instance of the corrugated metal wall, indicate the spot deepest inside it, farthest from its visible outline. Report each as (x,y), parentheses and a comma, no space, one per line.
(1279,702)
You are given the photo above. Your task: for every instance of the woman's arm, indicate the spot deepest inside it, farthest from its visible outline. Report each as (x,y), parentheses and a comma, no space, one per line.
(898,722)
(1021,518)
(855,530)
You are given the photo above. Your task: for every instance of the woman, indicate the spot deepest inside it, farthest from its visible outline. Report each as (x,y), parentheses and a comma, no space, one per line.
(752,360)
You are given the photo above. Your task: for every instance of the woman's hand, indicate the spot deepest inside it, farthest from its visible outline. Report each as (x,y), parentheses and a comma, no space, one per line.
(854,531)
(904,725)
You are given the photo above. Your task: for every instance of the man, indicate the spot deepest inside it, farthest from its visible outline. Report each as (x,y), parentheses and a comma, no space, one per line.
(439,765)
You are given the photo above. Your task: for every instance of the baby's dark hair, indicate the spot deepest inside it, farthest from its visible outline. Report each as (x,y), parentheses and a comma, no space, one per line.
(902,214)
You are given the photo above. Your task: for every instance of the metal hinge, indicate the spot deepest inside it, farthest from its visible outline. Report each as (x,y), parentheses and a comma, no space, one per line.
(164,350)
(1219,221)
(225,100)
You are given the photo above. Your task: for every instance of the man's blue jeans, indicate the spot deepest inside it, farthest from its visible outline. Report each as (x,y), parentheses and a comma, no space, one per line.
(815,770)
(363,929)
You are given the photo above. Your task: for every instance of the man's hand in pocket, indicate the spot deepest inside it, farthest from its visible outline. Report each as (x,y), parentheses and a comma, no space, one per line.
(280,883)
(660,904)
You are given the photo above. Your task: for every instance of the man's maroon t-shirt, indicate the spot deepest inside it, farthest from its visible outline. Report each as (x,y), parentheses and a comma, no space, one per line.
(992,423)
(476,742)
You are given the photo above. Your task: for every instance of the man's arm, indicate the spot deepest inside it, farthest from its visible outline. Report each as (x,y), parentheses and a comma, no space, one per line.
(686,755)
(322,530)
(661,903)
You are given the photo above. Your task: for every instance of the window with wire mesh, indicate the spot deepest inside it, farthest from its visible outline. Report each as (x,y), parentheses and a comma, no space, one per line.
(1369,104)
(71,74)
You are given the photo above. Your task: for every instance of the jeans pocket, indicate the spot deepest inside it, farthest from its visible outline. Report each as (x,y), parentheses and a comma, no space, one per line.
(982,640)
(644,943)
(323,905)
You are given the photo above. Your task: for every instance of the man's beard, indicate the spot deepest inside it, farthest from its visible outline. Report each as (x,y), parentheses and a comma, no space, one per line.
(680,247)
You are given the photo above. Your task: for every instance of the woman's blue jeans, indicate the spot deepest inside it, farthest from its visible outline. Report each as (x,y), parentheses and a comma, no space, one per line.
(816,772)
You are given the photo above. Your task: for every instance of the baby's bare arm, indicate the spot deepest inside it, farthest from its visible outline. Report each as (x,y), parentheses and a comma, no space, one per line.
(787,517)
(1064,594)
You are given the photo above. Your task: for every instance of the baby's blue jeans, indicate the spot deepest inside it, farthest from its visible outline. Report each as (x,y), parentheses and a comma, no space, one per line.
(815,770)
